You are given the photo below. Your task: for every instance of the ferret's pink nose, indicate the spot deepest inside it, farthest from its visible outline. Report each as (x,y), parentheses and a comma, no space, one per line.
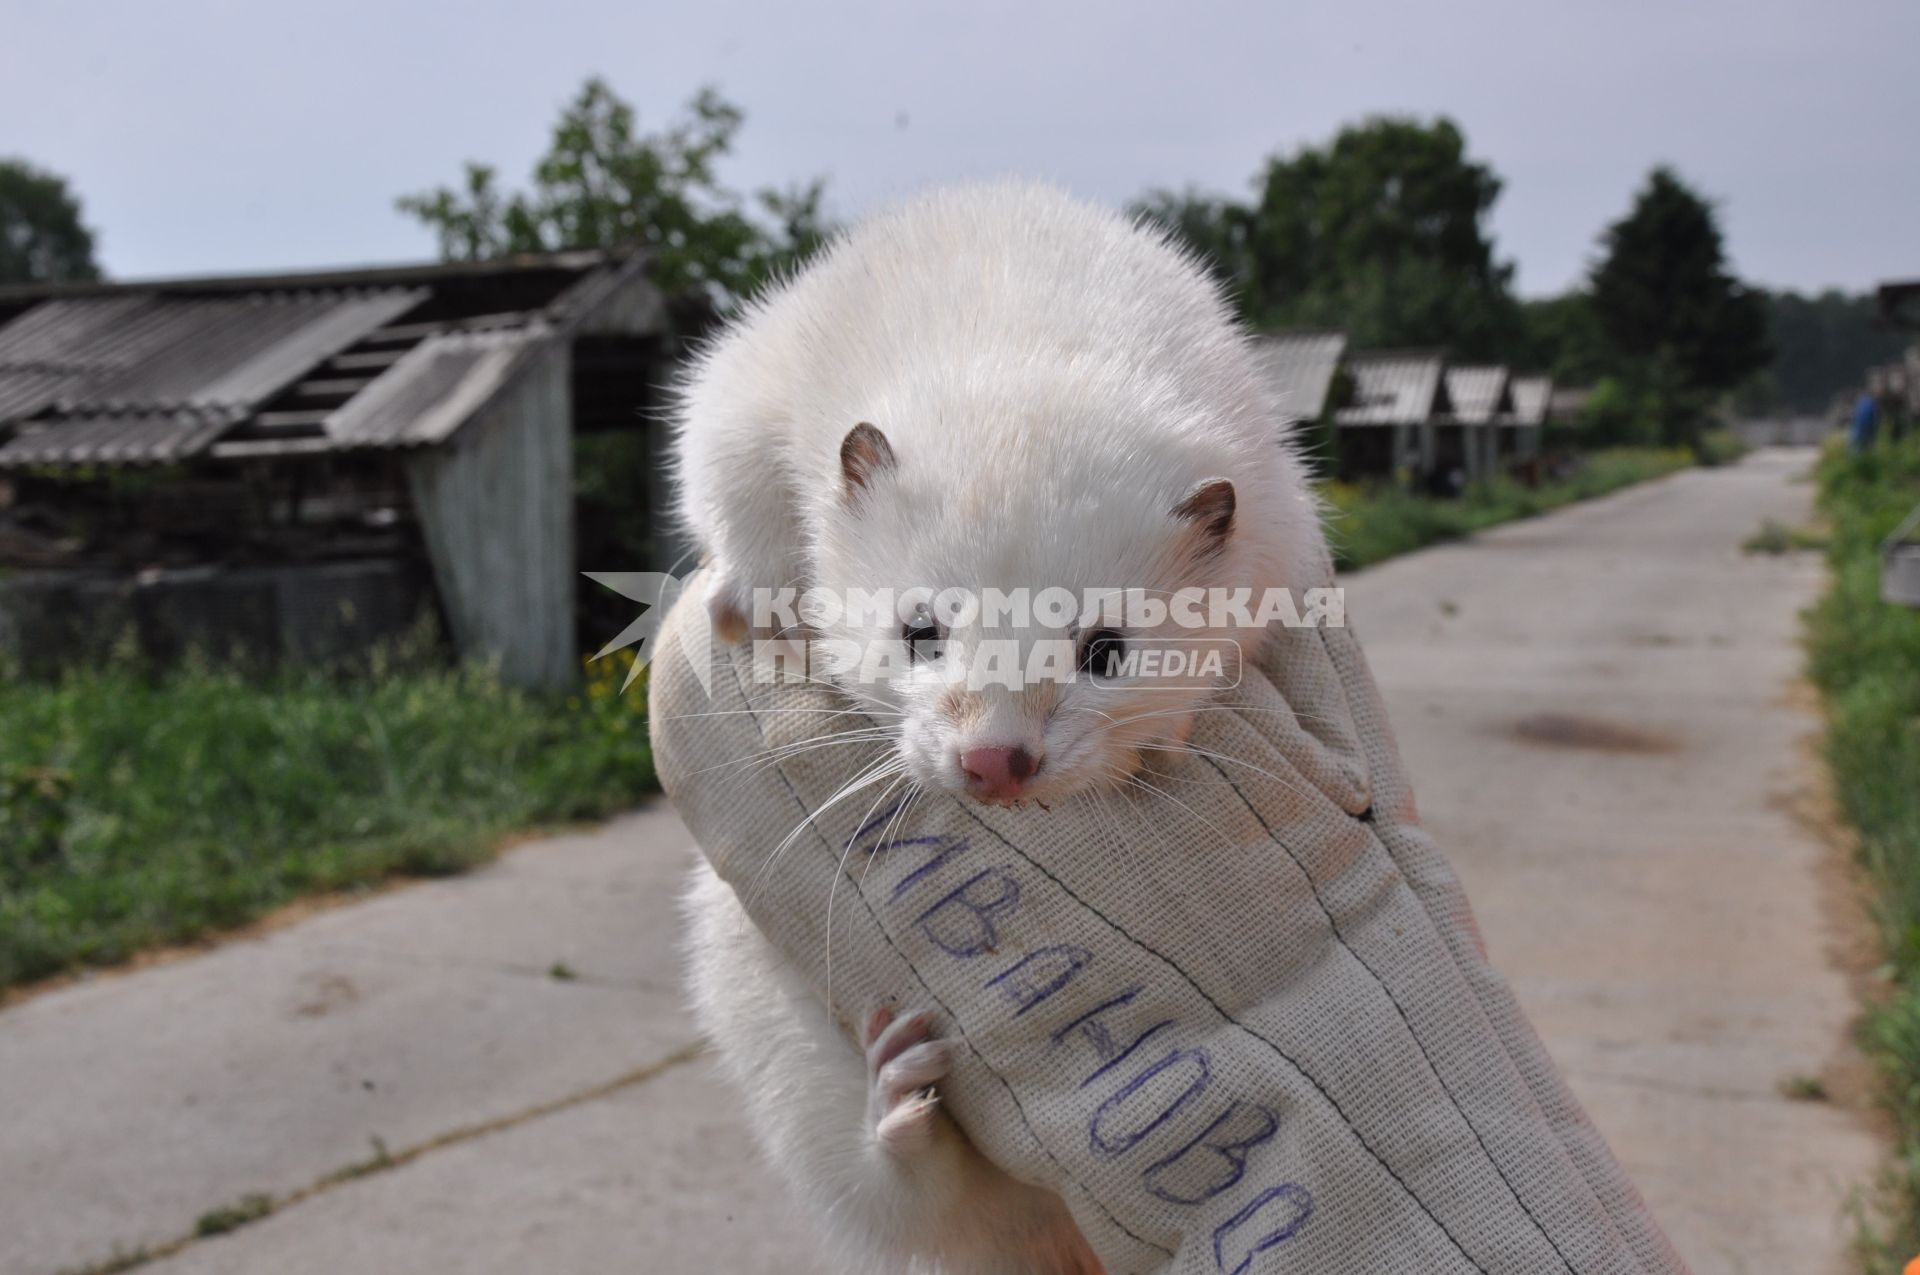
(998,773)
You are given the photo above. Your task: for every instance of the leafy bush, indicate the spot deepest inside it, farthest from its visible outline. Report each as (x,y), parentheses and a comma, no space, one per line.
(1719,447)
(1865,655)
(139,809)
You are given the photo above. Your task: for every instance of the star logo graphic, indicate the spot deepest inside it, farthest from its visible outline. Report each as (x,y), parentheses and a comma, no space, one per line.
(657,591)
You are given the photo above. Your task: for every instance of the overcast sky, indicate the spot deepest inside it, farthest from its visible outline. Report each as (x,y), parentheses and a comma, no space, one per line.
(213,136)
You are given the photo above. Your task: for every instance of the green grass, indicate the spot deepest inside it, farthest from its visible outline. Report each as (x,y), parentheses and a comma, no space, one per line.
(140,810)
(1777,538)
(1367,524)
(246,1210)
(1865,656)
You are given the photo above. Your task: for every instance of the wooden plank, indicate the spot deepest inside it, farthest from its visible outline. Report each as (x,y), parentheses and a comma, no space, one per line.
(495,504)
(334,387)
(369,360)
(402,332)
(241,448)
(312,418)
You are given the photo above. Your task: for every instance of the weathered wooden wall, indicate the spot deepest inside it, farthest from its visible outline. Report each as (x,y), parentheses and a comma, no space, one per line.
(496,506)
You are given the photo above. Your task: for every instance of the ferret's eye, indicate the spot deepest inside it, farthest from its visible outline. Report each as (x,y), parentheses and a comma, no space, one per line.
(1101,653)
(922,637)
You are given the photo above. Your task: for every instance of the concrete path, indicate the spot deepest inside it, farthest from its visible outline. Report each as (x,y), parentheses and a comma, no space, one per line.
(1598,709)
(492,1073)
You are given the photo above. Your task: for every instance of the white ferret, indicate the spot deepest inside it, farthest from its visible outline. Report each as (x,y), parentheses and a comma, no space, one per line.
(989,386)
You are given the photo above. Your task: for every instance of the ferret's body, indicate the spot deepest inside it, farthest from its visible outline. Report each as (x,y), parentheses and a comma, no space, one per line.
(994,387)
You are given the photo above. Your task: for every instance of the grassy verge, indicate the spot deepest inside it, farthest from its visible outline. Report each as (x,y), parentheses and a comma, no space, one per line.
(1367,524)
(1866,658)
(139,810)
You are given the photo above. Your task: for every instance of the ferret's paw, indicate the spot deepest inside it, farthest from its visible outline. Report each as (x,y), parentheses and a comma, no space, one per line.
(729,603)
(736,597)
(904,1062)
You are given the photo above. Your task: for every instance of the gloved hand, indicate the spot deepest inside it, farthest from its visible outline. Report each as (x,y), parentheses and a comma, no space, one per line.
(1240,1022)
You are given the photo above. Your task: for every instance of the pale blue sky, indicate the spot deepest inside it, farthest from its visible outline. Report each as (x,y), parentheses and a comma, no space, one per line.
(212,135)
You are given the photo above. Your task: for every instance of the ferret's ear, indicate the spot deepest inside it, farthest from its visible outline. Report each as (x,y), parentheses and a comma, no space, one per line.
(1208,509)
(865,454)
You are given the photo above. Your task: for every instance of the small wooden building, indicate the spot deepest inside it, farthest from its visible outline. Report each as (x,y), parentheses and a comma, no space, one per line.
(298,463)
(1469,442)
(1522,429)
(1567,403)
(1302,368)
(1397,400)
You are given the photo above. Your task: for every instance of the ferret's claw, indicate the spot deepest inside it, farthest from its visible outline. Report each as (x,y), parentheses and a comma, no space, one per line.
(904,1062)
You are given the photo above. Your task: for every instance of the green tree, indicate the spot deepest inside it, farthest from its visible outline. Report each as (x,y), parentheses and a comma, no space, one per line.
(1683,328)
(603,183)
(1823,345)
(1383,233)
(42,239)
(1562,335)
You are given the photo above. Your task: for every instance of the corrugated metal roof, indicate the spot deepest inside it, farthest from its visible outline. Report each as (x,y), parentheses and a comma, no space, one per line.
(434,387)
(1566,403)
(150,353)
(131,439)
(1395,387)
(1530,398)
(1299,367)
(1479,393)
(284,365)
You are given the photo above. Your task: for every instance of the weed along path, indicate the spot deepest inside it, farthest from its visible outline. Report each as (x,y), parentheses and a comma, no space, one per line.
(492,1073)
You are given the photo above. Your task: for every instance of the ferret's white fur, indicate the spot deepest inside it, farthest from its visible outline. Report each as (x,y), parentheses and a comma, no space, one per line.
(1053,381)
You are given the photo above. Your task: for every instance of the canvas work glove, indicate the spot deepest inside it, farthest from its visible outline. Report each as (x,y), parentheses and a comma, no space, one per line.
(1241,1023)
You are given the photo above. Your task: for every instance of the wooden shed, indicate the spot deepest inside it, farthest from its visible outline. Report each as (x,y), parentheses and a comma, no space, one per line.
(1469,441)
(298,463)
(1389,424)
(1302,369)
(1522,429)
(1566,404)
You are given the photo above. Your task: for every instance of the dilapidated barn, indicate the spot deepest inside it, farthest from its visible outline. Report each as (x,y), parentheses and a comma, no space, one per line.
(299,464)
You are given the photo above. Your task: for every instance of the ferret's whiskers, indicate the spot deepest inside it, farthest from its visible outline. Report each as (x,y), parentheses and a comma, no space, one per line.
(885,768)
(913,794)
(768,712)
(754,762)
(1162,794)
(1282,780)
(840,870)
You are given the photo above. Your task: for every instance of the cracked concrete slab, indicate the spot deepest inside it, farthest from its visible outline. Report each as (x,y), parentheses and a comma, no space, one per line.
(656,1177)
(270,1062)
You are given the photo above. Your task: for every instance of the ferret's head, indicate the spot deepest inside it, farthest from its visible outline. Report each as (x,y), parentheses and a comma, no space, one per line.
(1077,658)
